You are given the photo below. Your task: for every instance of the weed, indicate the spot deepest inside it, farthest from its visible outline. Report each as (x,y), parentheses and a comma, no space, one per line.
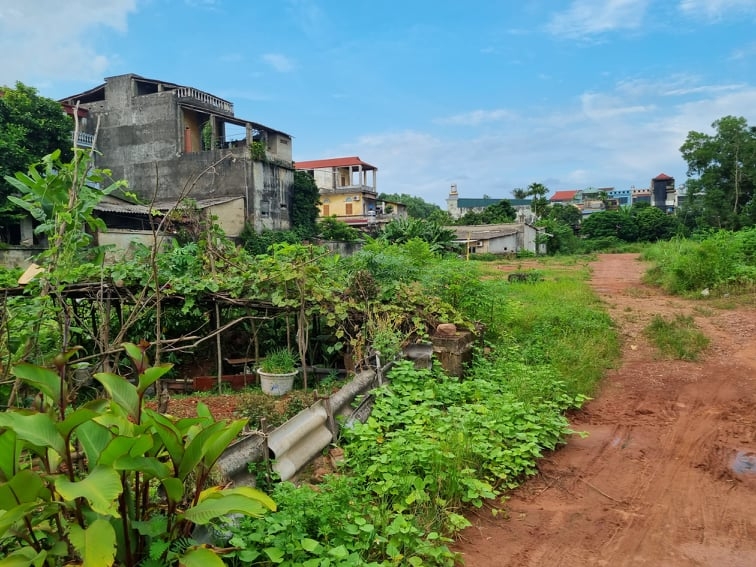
(678,338)
(255,406)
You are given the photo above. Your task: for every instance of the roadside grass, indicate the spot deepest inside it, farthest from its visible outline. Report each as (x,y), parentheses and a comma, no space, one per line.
(677,338)
(719,267)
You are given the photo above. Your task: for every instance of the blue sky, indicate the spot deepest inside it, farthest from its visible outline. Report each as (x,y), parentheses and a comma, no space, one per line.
(489,95)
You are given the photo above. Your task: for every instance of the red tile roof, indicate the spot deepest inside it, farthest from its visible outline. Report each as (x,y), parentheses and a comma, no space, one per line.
(560,196)
(334,162)
(662,177)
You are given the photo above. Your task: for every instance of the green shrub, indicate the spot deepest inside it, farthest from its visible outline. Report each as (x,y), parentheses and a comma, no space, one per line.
(104,507)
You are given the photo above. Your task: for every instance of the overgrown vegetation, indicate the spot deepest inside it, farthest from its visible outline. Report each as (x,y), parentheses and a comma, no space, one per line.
(719,262)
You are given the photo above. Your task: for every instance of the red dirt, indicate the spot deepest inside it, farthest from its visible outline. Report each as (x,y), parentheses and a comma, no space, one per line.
(667,473)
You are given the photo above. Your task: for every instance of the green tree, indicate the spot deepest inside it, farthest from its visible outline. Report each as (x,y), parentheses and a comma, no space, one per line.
(331,228)
(567,214)
(604,224)
(560,236)
(537,192)
(417,207)
(304,204)
(401,231)
(31,126)
(722,174)
(501,212)
(654,224)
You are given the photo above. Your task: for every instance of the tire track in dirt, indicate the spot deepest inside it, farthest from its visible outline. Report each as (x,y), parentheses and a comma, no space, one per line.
(664,476)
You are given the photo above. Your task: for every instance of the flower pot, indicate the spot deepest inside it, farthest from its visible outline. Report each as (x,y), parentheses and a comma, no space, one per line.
(276,384)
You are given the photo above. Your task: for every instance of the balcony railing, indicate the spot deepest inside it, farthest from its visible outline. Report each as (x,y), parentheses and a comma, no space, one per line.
(82,140)
(206,98)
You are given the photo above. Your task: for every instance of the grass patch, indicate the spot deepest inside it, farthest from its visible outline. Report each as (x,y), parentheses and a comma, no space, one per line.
(558,321)
(677,338)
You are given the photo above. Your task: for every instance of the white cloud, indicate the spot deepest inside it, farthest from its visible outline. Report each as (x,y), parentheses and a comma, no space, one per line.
(716,9)
(620,137)
(585,18)
(477,117)
(48,39)
(279,62)
(598,106)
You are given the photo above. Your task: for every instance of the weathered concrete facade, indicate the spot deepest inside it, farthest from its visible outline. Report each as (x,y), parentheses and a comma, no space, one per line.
(172,142)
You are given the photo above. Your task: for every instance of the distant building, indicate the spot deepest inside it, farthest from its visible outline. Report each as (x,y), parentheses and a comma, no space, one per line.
(509,238)
(663,194)
(564,197)
(348,191)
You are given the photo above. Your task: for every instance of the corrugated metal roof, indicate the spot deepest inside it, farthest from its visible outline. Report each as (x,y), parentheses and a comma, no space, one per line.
(201,203)
(111,204)
(485,231)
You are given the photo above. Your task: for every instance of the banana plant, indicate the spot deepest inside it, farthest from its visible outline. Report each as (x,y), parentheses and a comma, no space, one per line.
(111,482)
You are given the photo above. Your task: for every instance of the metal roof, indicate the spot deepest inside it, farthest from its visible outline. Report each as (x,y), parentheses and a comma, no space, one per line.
(111,204)
(485,231)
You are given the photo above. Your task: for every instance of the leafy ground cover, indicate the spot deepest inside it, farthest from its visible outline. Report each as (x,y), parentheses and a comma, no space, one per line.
(437,446)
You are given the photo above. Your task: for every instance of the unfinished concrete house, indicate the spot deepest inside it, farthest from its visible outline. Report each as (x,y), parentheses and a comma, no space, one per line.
(172,142)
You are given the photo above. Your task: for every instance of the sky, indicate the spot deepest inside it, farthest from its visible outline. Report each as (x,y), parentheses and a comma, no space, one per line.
(489,95)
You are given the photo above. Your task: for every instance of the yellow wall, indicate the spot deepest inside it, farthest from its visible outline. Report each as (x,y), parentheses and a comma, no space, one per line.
(337,204)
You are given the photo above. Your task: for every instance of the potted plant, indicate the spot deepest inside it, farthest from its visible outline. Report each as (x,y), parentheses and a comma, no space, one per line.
(277,371)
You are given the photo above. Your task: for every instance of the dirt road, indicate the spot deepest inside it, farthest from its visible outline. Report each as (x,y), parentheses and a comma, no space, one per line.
(667,474)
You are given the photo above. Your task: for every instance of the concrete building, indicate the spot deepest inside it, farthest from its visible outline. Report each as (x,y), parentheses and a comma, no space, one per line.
(663,193)
(509,238)
(348,191)
(172,142)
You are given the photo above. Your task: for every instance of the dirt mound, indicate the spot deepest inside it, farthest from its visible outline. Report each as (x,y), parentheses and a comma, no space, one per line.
(666,475)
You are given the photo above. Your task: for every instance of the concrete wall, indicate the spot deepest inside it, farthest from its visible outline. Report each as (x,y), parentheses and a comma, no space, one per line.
(270,202)
(124,242)
(499,245)
(341,247)
(19,256)
(230,216)
(530,234)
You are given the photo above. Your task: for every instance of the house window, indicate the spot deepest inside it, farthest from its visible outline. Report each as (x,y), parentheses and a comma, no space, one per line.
(348,208)
(326,210)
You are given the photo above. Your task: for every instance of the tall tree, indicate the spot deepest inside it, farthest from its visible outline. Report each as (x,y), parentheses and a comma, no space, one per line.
(537,193)
(722,174)
(31,127)
(417,207)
